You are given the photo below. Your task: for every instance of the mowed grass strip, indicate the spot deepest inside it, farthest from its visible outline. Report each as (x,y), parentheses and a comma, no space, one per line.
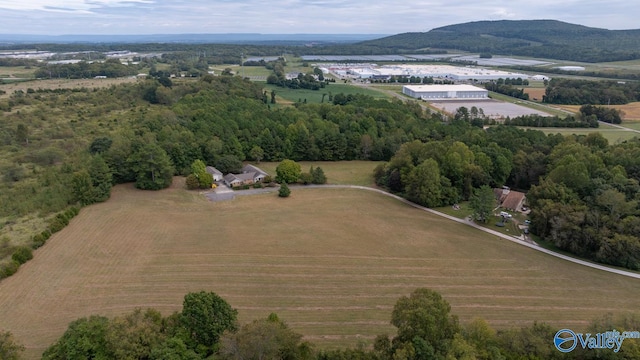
(613,135)
(330,262)
(338,172)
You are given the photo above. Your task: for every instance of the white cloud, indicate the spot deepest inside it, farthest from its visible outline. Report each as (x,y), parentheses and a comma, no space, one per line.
(502,14)
(294,16)
(69,5)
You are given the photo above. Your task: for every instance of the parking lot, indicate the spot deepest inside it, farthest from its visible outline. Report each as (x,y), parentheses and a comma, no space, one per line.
(491,108)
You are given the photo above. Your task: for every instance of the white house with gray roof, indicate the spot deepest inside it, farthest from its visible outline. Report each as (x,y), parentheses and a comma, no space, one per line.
(250,175)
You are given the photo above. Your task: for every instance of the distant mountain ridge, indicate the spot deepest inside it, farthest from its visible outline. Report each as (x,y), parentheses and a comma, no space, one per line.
(230,38)
(540,38)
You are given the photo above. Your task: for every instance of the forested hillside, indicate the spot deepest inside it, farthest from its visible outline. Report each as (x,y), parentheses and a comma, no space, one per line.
(539,38)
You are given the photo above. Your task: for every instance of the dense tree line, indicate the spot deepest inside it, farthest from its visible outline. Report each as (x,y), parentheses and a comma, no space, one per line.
(605,114)
(436,173)
(580,92)
(207,328)
(507,89)
(584,192)
(578,121)
(588,201)
(111,68)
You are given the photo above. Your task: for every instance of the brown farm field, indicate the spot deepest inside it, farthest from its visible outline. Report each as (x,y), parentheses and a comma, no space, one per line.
(62,84)
(330,262)
(535,94)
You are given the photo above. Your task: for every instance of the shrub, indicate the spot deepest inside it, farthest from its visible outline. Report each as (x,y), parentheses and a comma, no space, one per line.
(284,190)
(9,269)
(306,178)
(22,254)
(318,176)
(37,241)
(258,186)
(192,182)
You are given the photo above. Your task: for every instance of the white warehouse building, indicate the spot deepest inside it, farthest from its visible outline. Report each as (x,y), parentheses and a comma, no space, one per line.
(439,92)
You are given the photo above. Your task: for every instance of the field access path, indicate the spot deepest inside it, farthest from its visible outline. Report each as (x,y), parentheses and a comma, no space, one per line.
(469,223)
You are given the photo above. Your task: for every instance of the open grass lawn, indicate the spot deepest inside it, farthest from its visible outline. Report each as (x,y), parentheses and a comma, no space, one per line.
(21,72)
(631,124)
(315,96)
(330,262)
(614,135)
(338,172)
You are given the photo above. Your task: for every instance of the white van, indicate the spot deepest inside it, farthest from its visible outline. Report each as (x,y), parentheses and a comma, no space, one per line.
(505,214)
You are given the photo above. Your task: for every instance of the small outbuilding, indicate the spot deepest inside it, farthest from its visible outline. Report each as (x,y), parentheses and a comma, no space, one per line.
(215,173)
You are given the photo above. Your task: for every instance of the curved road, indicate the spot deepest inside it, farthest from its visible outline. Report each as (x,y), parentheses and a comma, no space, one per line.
(462,221)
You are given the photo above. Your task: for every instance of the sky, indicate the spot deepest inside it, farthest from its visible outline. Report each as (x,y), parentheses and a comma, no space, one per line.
(121,17)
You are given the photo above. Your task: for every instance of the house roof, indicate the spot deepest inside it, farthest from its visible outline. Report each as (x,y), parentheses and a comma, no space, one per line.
(231,178)
(500,194)
(513,200)
(213,171)
(253,169)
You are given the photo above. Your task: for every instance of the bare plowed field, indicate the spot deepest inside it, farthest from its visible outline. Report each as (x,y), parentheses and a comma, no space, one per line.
(330,262)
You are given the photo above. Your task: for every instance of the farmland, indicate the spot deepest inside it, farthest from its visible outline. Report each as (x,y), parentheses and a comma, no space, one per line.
(330,262)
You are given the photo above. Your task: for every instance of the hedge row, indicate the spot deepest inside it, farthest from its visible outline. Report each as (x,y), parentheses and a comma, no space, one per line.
(22,254)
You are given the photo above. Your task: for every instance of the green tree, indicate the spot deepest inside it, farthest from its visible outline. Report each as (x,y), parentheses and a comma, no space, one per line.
(205,316)
(82,188)
(198,167)
(483,338)
(284,190)
(101,178)
(318,176)
(134,335)
(199,170)
(288,171)
(84,339)
(256,153)
(173,349)
(425,315)
(152,167)
(100,145)
(482,203)
(228,164)
(423,184)
(192,182)
(264,339)
(22,254)
(9,348)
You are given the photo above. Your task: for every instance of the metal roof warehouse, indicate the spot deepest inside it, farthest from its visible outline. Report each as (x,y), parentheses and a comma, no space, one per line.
(439,92)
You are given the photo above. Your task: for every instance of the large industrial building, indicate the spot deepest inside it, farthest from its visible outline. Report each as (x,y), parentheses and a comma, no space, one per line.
(448,72)
(440,92)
